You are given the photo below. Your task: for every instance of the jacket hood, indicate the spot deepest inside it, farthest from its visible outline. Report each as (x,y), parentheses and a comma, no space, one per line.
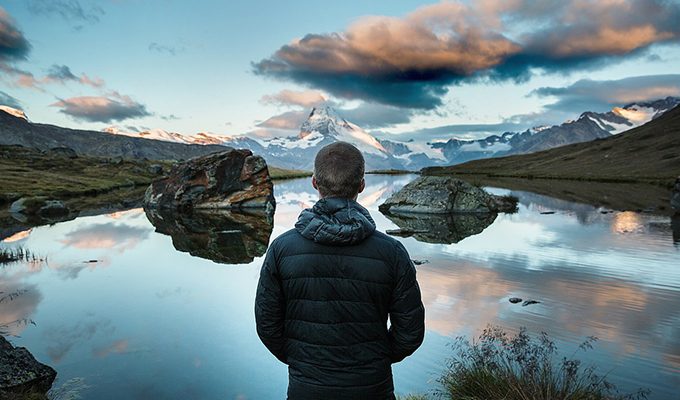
(335,221)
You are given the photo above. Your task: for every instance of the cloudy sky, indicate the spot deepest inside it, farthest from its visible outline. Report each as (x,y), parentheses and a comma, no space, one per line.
(409,67)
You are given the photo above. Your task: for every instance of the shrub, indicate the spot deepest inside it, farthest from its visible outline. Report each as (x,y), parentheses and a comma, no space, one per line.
(497,366)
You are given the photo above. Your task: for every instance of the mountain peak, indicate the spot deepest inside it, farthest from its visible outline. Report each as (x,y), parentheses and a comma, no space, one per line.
(324,111)
(14,112)
(324,120)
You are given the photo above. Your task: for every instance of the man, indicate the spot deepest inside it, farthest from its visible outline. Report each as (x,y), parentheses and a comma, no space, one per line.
(327,288)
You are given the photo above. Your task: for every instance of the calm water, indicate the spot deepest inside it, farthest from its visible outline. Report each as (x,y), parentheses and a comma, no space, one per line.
(150,320)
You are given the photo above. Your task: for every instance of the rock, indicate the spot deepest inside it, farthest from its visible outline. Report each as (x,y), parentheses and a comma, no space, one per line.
(420,262)
(156,169)
(219,235)
(404,232)
(61,151)
(547,212)
(232,179)
(39,206)
(53,208)
(530,302)
(675,196)
(514,300)
(21,373)
(440,228)
(445,195)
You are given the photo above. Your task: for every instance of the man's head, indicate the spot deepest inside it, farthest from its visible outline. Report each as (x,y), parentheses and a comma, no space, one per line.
(339,171)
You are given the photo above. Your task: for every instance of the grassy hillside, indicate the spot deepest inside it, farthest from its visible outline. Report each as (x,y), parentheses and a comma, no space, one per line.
(649,153)
(29,172)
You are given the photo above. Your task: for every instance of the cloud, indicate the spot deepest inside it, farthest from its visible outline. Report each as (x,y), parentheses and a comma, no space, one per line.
(374,116)
(290,120)
(13,44)
(8,100)
(62,74)
(306,98)
(161,48)
(105,109)
(169,117)
(70,10)
(413,61)
(591,95)
(461,131)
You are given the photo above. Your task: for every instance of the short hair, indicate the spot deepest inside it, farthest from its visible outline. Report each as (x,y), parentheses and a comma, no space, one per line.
(339,169)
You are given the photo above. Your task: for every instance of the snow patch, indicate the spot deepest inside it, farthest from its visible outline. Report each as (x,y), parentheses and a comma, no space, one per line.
(14,112)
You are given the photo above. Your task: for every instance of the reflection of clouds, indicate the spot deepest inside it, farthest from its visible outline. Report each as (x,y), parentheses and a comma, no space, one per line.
(17,236)
(463,297)
(135,212)
(634,319)
(627,221)
(116,347)
(108,235)
(18,301)
(63,338)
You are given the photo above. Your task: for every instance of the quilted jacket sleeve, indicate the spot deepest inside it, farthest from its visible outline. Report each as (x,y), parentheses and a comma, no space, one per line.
(270,307)
(407,314)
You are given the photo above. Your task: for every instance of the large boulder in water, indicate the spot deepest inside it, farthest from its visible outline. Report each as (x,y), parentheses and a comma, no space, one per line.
(445,195)
(21,373)
(233,179)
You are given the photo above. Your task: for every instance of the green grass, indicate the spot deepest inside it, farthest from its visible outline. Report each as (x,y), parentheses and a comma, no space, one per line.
(28,172)
(281,173)
(523,367)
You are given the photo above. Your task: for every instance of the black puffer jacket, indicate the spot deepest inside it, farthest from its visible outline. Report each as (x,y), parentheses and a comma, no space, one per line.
(326,290)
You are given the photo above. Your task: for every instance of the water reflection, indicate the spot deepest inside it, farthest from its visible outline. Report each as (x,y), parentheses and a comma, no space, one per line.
(221,236)
(173,324)
(18,302)
(442,228)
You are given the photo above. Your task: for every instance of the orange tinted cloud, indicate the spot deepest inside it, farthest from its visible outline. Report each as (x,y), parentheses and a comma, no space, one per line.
(411,61)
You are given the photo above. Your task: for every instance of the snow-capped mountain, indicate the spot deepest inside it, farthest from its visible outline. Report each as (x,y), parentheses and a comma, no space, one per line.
(324,125)
(589,126)
(160,134)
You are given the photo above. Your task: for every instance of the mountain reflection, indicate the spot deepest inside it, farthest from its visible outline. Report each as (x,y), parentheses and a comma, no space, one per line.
(221,236)
(442,228)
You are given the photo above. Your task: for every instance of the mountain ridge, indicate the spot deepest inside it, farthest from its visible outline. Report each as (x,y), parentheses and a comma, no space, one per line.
(647,153)
(20,131)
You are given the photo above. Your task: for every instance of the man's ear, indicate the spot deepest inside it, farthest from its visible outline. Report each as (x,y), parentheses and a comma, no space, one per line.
(362,186)
(314,185)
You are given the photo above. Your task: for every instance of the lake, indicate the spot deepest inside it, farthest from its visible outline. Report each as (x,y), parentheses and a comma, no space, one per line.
(126,309)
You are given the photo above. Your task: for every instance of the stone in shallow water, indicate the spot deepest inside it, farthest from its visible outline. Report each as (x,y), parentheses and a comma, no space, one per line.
(439,228)
(20,372)
(515,300)
(445,195)
(232,179)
